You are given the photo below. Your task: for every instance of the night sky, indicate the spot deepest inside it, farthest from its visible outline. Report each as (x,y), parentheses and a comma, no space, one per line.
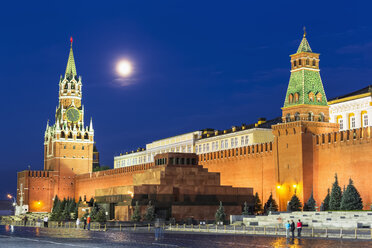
(197,64)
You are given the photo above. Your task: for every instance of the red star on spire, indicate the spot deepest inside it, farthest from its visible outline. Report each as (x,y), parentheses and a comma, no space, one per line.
(71,40)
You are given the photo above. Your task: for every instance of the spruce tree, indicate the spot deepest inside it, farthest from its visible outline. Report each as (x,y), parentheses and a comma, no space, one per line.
(335,197)
(65,216)
(257,204)
(245,209)
(150,212)
(136,216)
(326,202)
(91,202)
(351,199)
(295,203)
(55,202)
(310,204)
(57,210)
(270,205)
(100,216)
(220,213)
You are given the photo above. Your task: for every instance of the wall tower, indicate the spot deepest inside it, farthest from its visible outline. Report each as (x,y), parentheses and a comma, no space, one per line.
(68,145)
(305,113)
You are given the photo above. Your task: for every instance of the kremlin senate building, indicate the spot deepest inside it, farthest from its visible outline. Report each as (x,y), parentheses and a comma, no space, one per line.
(187,176)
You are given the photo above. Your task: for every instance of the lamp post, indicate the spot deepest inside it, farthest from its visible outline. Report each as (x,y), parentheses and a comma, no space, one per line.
(14,201)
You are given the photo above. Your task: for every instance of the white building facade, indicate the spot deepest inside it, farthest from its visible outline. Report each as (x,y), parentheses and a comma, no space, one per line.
(184,143)
(353,110)
(233,138)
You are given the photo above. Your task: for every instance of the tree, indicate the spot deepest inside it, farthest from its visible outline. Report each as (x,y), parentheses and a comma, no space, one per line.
(150,212)
(57,210)
(351,199)
(326,202)
(100,216)
(65,216)
(336,195)
(257,204)
(295,203)
(310,204)
(245,209)
(91,202)
(220,213)
(55,202)
(136,216)
(270,205)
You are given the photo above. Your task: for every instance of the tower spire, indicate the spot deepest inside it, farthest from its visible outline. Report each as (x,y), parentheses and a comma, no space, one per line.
(304,45)
(70,68)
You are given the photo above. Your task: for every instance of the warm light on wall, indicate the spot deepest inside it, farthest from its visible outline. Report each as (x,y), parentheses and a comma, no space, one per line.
(37,205)
(278,187)
(294,186)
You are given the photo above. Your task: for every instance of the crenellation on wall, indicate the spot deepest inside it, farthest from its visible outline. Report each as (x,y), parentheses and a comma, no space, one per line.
(354,136)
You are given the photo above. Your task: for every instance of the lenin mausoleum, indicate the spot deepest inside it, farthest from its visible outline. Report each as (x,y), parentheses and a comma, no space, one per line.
(189,174)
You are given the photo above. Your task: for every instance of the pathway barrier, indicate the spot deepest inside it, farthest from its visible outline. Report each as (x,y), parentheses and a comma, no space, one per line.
(94,226)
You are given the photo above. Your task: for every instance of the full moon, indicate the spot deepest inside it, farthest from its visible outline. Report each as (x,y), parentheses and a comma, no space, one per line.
(124,68)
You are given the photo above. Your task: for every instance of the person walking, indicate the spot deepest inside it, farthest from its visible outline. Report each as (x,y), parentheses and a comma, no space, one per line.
(292,228)
(299,228)
(85,222)
(78,223)
(88,222)
(46,218)
(287,227)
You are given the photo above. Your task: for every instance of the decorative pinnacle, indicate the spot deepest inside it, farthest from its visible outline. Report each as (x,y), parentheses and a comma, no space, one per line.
(71,40)
(304,33)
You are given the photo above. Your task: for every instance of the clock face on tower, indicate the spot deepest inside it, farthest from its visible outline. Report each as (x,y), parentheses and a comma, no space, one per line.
(73,114)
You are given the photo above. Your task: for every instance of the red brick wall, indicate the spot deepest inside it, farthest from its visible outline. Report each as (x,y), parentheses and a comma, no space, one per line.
(251,166)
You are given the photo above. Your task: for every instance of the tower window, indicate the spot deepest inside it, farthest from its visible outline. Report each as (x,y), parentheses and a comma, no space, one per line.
(296,97)
(314,62)
(307,62)
(290,98)
(288,118)
(311,116)
(299,62)
(294,63)
(73,147)
(64,147)
(321,118)
(62,134)
(82,148)
(319,97)
(297,116)
(70,135)
(311,96)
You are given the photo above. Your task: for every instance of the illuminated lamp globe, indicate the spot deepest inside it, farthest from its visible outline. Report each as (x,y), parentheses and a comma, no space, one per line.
(124,68)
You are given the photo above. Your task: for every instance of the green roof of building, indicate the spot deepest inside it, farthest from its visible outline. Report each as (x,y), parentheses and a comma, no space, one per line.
(303,81)
(304,46)
(70,68)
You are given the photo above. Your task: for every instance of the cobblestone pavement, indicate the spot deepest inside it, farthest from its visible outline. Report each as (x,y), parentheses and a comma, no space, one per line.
(49,237)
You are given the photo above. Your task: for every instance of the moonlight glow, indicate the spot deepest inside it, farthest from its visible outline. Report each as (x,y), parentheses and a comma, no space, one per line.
(124,68)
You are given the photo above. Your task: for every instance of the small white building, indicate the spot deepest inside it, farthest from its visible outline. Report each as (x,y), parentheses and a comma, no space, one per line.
(237,136)
(181,143)
(353,110)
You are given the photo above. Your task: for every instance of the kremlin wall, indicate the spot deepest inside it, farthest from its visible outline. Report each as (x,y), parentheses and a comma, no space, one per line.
(299,153)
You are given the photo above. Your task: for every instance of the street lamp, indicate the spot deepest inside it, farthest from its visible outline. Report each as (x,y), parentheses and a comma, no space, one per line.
(14,201)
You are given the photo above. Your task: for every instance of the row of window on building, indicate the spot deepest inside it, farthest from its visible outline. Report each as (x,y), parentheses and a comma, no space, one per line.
(222,144)
(352,122)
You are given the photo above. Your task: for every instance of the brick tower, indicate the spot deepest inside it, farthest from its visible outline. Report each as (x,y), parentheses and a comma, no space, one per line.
(305,113)
(68,145)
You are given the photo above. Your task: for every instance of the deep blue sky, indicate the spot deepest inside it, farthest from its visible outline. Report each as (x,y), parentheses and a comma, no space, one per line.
(198,64)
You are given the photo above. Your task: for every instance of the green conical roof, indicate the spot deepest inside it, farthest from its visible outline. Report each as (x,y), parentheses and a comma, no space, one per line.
(305,82)
(71,68)
(304,46)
